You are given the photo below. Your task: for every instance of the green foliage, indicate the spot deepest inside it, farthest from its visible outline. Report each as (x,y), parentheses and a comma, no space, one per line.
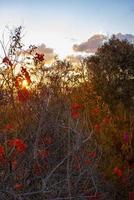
(112,70)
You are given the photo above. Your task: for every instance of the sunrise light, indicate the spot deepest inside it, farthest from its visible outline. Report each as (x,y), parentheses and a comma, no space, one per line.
(25,84)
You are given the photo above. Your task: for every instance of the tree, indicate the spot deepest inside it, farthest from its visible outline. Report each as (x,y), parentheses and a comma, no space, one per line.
(112,70)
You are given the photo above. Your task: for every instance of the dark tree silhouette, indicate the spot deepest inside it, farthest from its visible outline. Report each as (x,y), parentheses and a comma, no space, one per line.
(112,70)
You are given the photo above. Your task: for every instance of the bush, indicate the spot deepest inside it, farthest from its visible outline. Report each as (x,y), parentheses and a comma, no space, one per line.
(58,137)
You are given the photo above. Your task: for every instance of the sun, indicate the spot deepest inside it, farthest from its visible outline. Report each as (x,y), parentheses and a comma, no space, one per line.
(25,84)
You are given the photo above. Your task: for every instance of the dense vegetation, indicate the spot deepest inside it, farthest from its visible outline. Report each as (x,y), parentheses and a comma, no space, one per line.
(67,132)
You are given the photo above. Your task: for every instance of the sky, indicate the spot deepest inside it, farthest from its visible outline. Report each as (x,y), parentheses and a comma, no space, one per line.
(61,23)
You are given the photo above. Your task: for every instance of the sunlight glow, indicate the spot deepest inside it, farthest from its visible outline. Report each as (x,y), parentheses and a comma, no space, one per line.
(24,84)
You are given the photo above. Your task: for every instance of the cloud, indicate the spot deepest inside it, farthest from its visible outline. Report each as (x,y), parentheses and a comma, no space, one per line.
(96,41)
(74,59)
(91,45)
(128,37)
(71,39)
(49,53)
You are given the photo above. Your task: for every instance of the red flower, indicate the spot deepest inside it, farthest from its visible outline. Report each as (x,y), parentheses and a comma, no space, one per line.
(2,151)
(106,120)
(18,186)
(92,154)
(88,162)
(23,95)
(7,61)
(76,106)
(97,128)
(96,111)
(39,57)
(18,144)
(75,110)
(9,127)
(118,171)
(75,114)
(3,159)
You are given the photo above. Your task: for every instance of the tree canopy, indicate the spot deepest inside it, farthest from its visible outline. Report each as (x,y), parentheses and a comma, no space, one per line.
(112,69)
